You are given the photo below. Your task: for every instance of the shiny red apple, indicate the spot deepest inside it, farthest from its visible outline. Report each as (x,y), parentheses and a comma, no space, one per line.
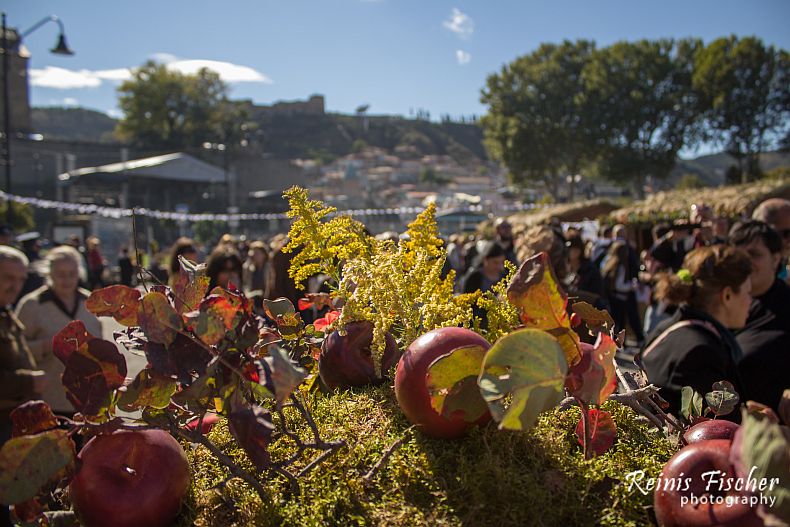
(713,429)
(346,360)
(683,479)
(412,391)
(130,479)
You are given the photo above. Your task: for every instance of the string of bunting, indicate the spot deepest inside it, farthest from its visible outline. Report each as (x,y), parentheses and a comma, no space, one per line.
(118,213)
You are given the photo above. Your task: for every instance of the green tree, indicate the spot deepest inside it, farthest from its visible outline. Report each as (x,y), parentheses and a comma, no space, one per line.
(432,178)
(166,109)
(641,92)
(538,123)
(744,87)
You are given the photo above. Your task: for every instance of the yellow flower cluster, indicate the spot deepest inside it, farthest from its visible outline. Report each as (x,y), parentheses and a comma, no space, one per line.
(501,314)
(321,244)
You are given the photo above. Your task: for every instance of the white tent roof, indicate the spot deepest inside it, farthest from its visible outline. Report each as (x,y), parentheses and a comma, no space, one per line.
(177,166)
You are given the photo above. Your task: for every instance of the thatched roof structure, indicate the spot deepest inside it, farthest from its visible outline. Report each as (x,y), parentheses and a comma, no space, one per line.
(566,212)
(729,201)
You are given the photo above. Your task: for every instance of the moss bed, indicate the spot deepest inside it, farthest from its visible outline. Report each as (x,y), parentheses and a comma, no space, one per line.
(491,477)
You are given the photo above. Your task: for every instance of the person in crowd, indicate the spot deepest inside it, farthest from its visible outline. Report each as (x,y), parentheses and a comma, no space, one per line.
(601,245)
(489,269)
(721,230)
(256,270)
(504,237)
(283,285)
(96,263)
(620,277)
(776,213)
(470,251)
(765,339)
(6,235)
(224,267)
(125,266)
(30,242)
(696,346)
(49,309)
(182,247)
(583,275)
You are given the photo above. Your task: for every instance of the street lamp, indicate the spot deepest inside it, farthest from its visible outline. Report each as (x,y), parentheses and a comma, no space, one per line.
(61,48)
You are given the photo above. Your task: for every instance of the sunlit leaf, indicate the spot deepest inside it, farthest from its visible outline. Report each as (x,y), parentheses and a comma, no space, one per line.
(149,388)
(603,431)
(28,463)
(70,339)
(118,301)
(723,399)
(690,403)
(213,320)
(92,374)
(253,428)
(541,303)
(523,375)
(190,286)
(596,320)
(281,374)
(594,378)
(452,383)
(31,418)
(159,320)
(279,306)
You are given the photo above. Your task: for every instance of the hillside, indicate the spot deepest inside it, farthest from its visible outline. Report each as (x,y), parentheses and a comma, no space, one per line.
(75,124)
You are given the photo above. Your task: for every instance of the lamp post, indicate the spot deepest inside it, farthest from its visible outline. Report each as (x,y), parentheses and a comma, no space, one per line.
(61,48)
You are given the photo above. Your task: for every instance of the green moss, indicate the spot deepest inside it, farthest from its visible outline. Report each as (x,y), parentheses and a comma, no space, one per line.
(491,477)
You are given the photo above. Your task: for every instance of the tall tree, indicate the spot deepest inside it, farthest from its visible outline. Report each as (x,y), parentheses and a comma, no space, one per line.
(537,123)
(166,109)
(646,109)
(745,88)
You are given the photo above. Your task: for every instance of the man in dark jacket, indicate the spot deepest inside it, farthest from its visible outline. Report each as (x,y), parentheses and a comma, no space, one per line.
(765,340)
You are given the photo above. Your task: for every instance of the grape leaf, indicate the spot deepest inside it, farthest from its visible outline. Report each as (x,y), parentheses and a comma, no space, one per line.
(117,301)
(281,374)
(690,404)
(452,383)
(596,320)
(526,367)
(542,303)
(190,286)
(160,322)
(92,374)
(70,339)
(723,399)
(149,388)
(28,463)
(213,320)
(594,379)
(603,431)
(253,428)
(31,418)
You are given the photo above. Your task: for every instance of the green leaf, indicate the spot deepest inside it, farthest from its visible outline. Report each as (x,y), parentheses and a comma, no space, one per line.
(117,301)
(541,303)
(723,399)
(281,374)
(594,379)
(31,418)
(596,320)
(28,463)
(452,383)
(526,368)
(690,404)
(279,306)
(92,374)
(149,388)
(159,320)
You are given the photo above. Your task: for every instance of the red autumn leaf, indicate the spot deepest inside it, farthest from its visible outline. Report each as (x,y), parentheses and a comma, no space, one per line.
(324,322)
(117,301)
(319,300)
(189,289)
(603,431)
(304,303)
(93,372)
(214,319)
(253,428)
(234,296)
(31,418)
(70,339)
(594,378)
(158,319)
(541,303)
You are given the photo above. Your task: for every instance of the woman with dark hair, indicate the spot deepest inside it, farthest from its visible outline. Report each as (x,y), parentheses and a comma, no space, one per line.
(583,275)
(183,247)
(489,269)
(224,267)
(620,271)
(696,347)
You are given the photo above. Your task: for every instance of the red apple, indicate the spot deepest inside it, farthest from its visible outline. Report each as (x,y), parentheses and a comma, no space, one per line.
(130,479)
(209,420)
(346,361)
(714,429)
(682,480)
(412,391)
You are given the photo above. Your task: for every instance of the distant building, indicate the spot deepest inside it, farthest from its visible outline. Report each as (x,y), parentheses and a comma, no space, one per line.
(19,99)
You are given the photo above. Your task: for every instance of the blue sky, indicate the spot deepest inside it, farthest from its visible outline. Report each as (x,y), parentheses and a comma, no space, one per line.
(396,55)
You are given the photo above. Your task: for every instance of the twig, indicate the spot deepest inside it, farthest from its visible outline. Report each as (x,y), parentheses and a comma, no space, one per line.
(137,251)
(634,399)
(290,477)
(333,447)
(367,478)
(586,431)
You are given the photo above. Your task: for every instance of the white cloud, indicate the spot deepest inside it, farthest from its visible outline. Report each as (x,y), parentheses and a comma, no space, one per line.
(163,58)
(68,101)
(63,79)
(460,23)
(115,113)
(462,57)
